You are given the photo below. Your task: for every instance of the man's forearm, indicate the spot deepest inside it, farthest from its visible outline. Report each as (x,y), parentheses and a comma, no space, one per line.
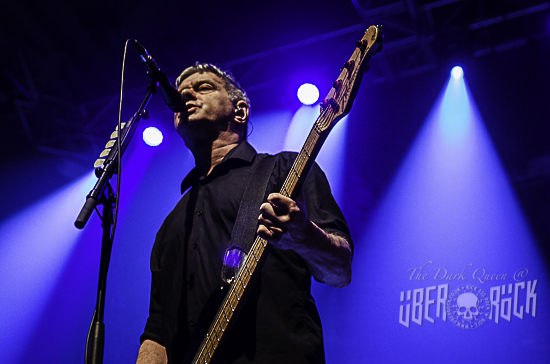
(285,224)
(151,352)
(328,257)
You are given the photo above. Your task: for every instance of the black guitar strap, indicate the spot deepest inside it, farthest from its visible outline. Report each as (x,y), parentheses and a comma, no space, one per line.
(244,231)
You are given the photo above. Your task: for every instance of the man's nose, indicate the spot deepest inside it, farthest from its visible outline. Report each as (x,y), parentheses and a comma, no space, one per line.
(188,94)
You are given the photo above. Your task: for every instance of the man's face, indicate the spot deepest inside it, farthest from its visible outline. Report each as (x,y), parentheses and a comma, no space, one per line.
(207,104)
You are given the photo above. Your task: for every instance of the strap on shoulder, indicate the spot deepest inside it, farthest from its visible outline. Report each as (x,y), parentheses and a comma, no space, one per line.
(244,230)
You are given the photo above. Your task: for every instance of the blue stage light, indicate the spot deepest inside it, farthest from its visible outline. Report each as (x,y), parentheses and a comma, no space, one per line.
(455,113)
(450,203)
(457,72)
(152,136)
(308,94)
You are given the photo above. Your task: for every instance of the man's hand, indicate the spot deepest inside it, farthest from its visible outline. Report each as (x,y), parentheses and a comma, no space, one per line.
(285,224)
(151,352)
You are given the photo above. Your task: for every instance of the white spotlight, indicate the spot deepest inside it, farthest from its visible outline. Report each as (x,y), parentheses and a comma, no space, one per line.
(308,94)
(152,136)
(457,72)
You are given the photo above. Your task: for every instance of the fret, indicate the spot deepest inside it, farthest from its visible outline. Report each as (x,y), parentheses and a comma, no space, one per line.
(253,254)
(226,314)
(251,264)
(242,283)
(286,191)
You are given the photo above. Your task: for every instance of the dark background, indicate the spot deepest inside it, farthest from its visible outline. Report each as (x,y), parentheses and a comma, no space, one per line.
(61,68)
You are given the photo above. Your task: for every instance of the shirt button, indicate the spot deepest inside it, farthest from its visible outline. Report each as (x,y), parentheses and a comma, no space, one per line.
(192,323)
(194,246)
(199,213)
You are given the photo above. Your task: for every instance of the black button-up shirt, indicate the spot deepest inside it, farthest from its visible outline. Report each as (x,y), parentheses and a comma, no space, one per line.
(279,322)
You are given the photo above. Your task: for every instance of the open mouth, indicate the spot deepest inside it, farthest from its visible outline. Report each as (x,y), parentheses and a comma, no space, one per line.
(191,108)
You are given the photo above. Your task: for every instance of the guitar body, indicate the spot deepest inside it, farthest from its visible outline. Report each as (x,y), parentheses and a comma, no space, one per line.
(337,104)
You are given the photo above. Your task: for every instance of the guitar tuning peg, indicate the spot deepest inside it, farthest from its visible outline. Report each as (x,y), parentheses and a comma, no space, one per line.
(334,105)
(348,65)
(330,102)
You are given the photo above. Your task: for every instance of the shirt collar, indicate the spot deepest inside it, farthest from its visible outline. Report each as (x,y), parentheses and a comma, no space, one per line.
(244,151)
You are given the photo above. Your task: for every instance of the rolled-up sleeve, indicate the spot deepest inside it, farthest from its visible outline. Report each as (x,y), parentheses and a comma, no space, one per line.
(322,207)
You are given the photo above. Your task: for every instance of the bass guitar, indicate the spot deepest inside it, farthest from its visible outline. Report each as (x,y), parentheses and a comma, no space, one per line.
(334,107)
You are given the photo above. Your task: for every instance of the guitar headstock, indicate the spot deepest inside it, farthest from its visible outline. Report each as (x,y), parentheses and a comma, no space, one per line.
(340,99)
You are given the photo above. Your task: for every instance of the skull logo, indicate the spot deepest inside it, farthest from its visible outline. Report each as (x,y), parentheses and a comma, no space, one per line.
(467,306)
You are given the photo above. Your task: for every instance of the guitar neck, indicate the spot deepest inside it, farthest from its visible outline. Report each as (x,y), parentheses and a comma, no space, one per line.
(303,162)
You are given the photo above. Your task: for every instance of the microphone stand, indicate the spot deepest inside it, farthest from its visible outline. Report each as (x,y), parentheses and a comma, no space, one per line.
(96,334)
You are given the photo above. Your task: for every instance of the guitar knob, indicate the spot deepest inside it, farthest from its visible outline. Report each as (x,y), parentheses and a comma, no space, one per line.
(337,85)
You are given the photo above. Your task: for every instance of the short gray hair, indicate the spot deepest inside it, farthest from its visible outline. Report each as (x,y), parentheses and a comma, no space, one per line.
(234,90)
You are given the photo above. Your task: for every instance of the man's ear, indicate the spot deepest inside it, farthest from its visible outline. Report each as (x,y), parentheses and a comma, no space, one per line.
(242,112)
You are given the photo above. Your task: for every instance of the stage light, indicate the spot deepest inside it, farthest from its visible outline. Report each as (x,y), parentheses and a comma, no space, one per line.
(152,136)
(457,72)
(450,204)
(308,94)
(35,244)
(455,113)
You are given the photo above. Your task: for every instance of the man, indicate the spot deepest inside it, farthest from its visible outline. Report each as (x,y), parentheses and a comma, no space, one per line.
(279,322)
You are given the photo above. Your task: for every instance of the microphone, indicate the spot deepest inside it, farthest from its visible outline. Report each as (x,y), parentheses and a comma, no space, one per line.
(172,97)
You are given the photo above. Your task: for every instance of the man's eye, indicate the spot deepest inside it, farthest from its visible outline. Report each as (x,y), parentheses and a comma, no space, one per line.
(205,87)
